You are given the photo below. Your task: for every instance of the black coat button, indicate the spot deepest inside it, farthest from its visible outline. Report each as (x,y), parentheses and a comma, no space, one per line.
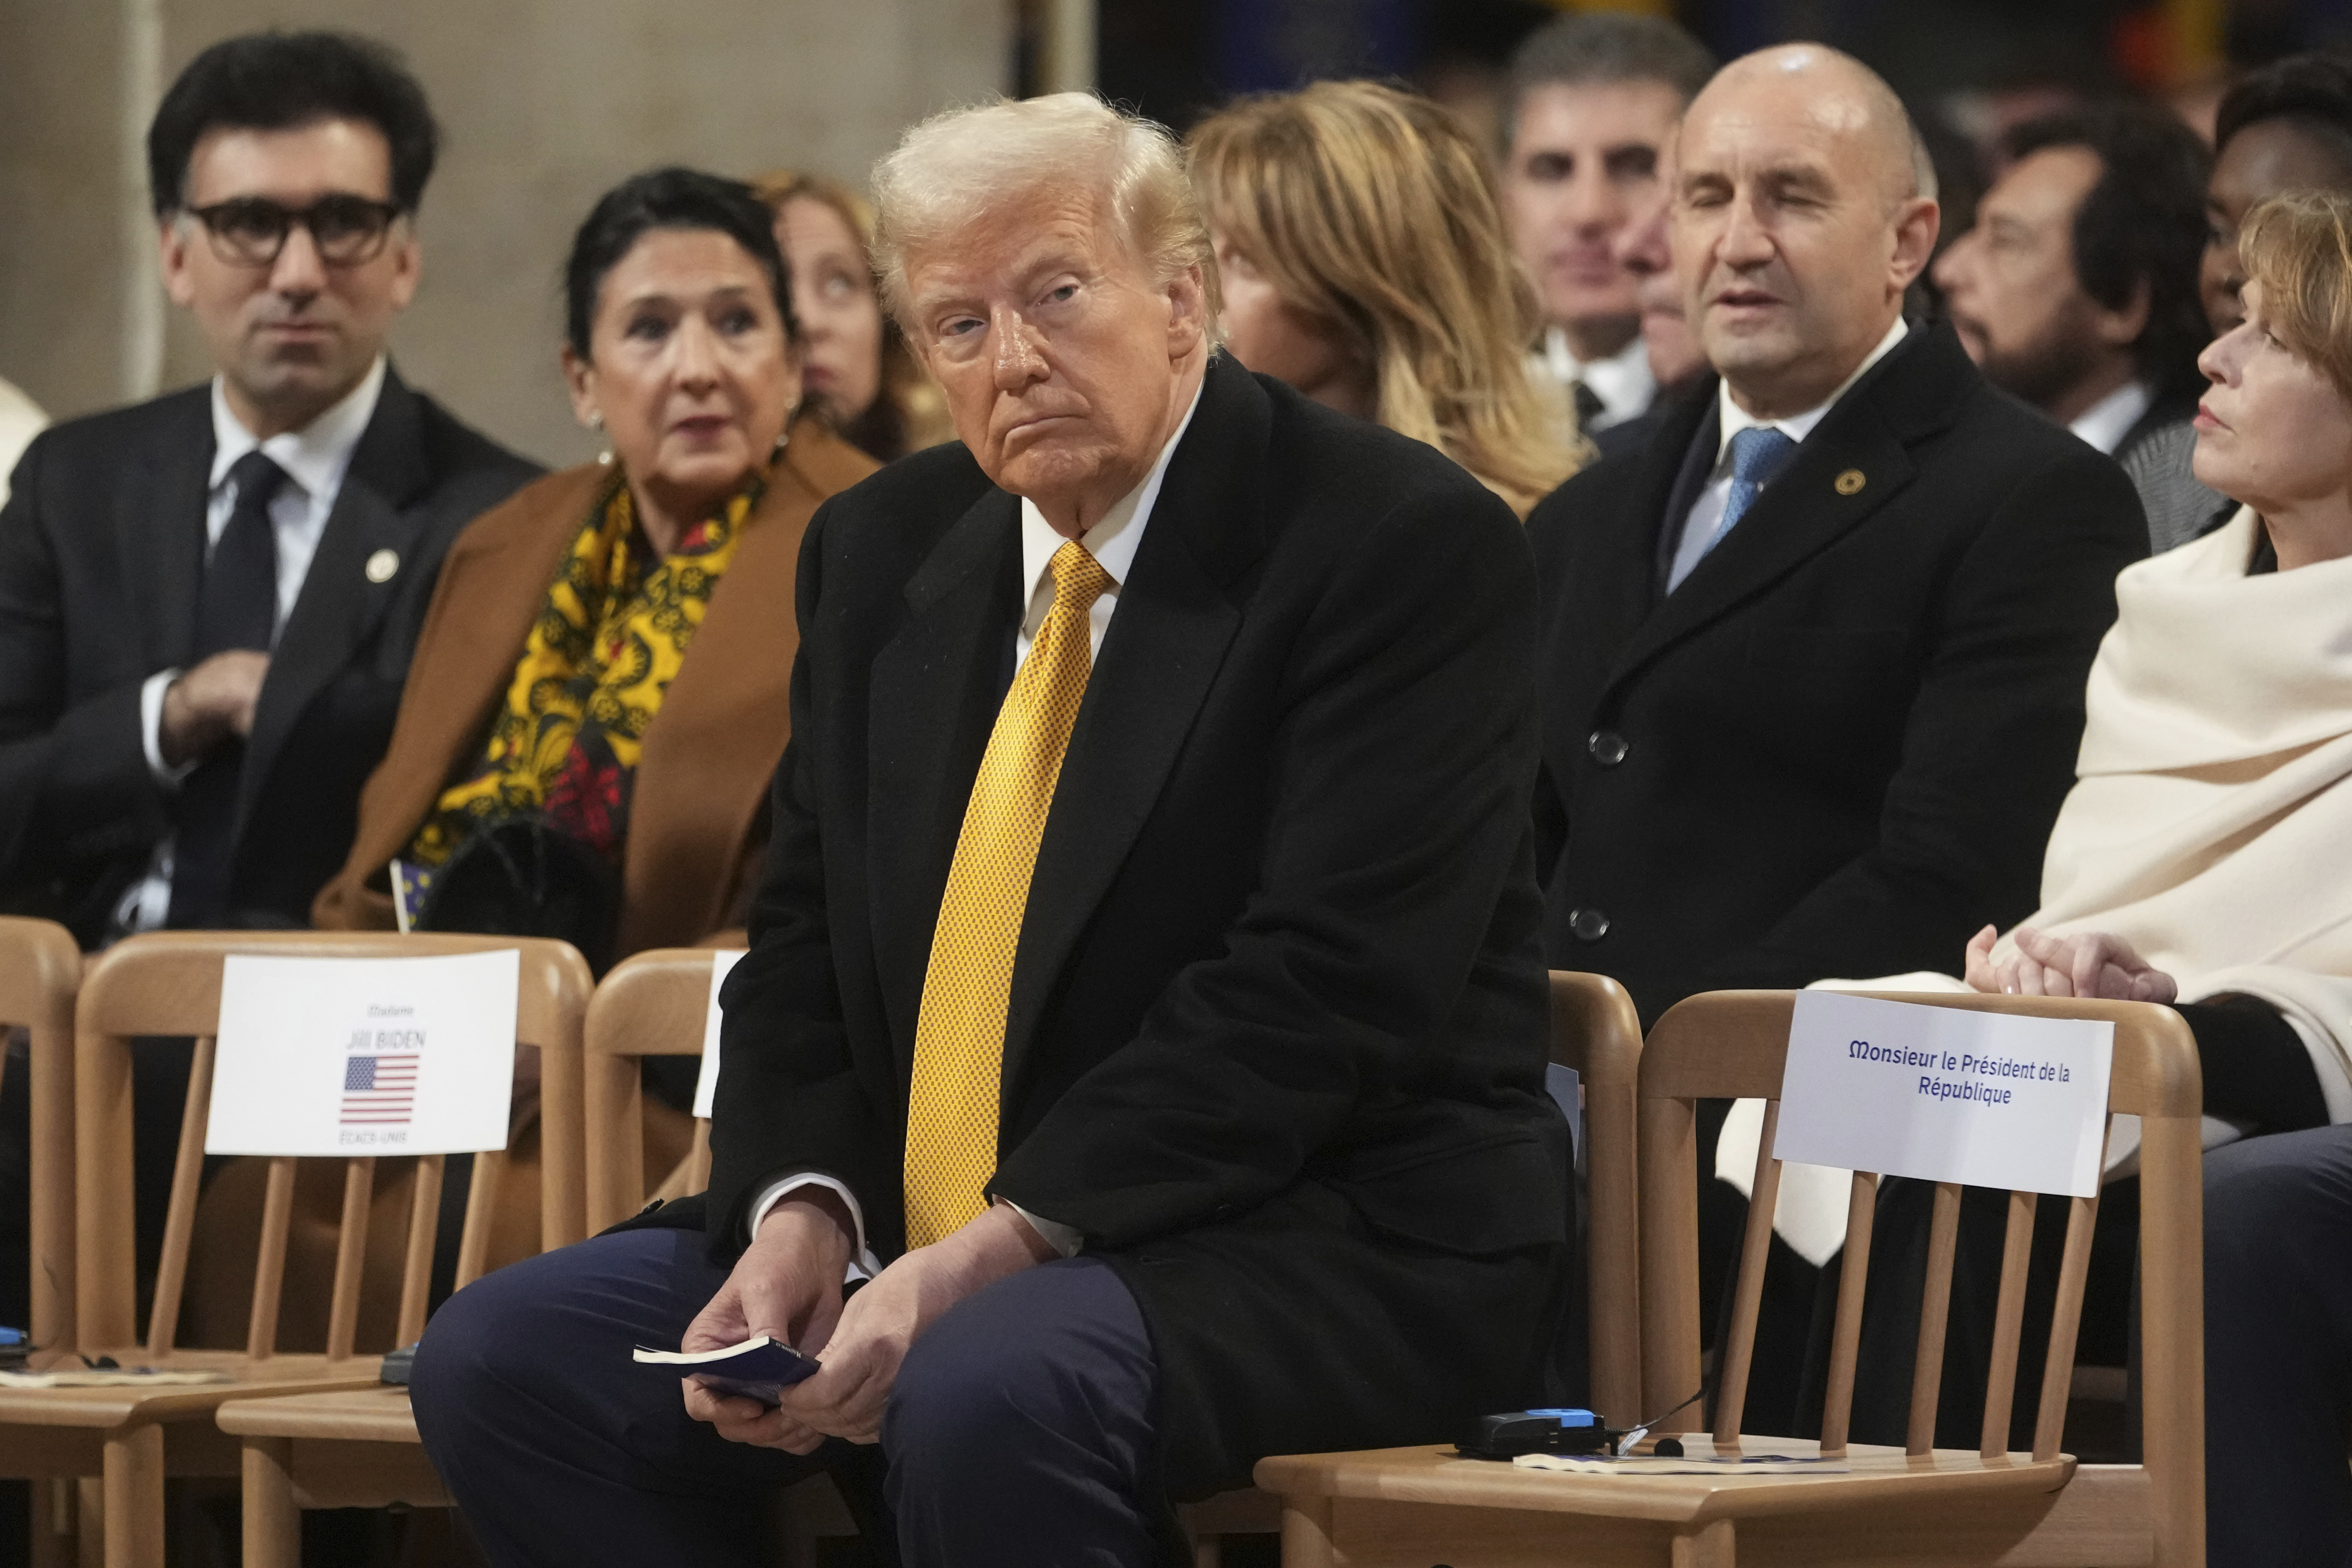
(1590,925)
(1606,747)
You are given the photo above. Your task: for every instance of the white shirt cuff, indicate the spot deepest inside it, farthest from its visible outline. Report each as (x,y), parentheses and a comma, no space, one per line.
(1065,1239)
(864,1265)
(150,729)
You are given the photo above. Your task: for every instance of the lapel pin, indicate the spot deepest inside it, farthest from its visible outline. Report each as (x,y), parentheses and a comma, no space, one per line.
(383,562)
(1851,482)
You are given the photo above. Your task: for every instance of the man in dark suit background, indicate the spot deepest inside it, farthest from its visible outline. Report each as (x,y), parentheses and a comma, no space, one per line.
(1814,658)
(208,601)
(1144,990)
(2077,290)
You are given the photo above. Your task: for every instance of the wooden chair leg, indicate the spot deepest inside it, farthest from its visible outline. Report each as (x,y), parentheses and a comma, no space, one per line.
(52,1524)
(273,1525)
(89,1523)
(1709,1546)
(1307,1533)
(1208,1552)
(134,1498)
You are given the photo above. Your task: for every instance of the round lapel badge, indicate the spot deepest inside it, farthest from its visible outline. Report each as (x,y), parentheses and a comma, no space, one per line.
(1851,482)
(382,565)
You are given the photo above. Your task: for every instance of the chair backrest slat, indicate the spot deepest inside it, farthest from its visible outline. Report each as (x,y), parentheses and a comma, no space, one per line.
(1935,1315)
(180,1217)
(2008,1324)
(351,1257)
(1596,1030)
(1670,1288)
(654,1003)
(481,1203)
(2172,1322)
(40,971)
(269,1261)
(417,1269)
(1734,1045)
(1748,1296)
(1845,1342)
(2058,1367)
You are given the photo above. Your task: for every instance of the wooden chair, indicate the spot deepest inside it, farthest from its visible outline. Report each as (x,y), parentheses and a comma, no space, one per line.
(40,969)
(1595,1031)
(132,1438)
(1917,1505)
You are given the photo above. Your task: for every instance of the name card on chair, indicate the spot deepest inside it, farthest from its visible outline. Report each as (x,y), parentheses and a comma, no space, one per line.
(1988,1100)
(706,1085)
(364,1056)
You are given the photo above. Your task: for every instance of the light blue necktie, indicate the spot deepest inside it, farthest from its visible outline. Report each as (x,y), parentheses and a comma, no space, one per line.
(1757,454)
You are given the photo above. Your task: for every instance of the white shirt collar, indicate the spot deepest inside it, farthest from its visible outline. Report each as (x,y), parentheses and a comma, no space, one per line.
(1623,381)
(2105,422)
(1797,427)
(314,457)
(1113,538)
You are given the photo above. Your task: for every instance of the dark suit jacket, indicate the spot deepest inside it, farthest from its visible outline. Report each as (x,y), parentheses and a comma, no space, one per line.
(102,550)
(1837,749)
(697,810)
(1277,1023)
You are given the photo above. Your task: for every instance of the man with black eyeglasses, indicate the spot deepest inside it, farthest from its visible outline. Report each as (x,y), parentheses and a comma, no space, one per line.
(208,602)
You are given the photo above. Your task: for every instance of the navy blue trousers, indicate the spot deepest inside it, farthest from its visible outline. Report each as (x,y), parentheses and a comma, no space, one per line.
(2278,1351)
(1019,1431)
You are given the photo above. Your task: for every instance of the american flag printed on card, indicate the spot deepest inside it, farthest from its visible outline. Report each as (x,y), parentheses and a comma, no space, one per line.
(379,1090)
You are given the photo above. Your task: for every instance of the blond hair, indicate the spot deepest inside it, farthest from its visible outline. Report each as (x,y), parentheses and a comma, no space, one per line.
(960,166)
(2299,248)
(911,411)
(1374,211)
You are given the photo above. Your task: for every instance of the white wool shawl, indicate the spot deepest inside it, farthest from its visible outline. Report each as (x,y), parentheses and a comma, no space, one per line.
(2210,823)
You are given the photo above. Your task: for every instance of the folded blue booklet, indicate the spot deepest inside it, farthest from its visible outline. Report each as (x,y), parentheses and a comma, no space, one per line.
(758,1368)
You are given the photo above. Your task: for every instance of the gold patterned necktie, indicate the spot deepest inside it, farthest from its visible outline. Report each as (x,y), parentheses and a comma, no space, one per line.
(951,1116)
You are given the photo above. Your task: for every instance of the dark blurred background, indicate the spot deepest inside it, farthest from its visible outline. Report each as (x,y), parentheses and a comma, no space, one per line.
(1968,69)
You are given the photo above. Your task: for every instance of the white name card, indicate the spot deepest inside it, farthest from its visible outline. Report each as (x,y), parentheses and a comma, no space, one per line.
(1945,1095)
(706,1087)
(364,1056)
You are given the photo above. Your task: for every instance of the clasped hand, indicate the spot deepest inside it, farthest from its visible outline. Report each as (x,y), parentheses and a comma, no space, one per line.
(2092,963)
(211,703)
(788,1286)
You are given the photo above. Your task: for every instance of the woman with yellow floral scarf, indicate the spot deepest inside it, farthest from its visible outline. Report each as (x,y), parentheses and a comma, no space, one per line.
(600,694)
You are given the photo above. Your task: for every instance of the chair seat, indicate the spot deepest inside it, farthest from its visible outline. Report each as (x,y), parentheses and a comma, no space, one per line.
(1393,1508)
(1438,1474)
(377,1415)
(350,1449)
(120,1404)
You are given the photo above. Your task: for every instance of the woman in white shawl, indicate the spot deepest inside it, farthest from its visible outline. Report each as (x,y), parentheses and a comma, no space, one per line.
(2204,858)
(2205,853)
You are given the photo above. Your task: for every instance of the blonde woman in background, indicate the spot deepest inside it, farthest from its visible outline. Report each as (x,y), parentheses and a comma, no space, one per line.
(860,374)
(1363,260)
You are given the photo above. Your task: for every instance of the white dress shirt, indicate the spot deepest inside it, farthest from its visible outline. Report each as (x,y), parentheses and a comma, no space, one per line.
(1623,381)
(1112,541)
(1706,513)
(21,419)
(315,458)
(2105,422)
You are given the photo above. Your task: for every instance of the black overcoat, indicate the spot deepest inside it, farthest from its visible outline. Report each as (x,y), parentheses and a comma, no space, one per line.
(1277,1023)
(1838,748)
(101,553)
